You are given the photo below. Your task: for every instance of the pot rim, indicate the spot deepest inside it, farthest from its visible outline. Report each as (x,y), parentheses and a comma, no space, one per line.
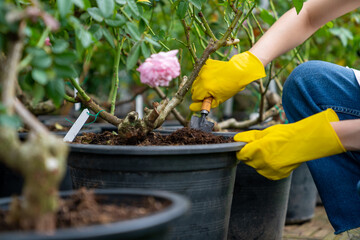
(179,205)
(158,150)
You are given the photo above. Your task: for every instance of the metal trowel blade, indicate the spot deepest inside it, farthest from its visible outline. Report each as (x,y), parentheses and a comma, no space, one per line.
(201,123)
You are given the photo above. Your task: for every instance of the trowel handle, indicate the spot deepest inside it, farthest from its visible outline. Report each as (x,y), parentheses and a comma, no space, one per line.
(206,104)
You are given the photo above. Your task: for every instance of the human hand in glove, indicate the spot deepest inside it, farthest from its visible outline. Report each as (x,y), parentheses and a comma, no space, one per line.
(223,79)
(276,151)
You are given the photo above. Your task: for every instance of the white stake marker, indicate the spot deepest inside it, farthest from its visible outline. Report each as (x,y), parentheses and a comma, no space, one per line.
(75,128)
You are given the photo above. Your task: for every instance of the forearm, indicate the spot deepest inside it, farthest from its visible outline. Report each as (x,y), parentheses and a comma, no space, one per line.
(292,29)
(348,132)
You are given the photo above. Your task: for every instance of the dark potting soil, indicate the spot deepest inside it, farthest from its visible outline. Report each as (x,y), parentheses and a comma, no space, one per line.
(183,136)
(83,209)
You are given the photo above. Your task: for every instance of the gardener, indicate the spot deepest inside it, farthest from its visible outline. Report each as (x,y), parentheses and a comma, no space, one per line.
(316,95)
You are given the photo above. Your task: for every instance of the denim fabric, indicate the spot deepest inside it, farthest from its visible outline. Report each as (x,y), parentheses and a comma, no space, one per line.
(313,87)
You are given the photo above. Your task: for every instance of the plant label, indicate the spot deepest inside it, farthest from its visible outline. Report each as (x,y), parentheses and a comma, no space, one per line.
(75,128)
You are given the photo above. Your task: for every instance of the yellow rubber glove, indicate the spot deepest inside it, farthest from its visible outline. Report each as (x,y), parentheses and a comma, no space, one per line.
(223,79)
(276,151)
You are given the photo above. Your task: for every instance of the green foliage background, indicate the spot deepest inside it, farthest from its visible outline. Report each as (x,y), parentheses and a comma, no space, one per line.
(92,31)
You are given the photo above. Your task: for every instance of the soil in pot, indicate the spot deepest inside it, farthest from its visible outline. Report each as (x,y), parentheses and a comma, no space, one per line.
(183,136)
(83,209)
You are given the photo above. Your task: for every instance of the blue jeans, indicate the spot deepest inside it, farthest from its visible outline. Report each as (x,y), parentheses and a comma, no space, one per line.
(313,87)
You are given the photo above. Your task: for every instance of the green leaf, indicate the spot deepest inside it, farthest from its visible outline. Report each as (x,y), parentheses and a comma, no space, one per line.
(133,56)
(182,9)
(83,4)
(38,93)
(67,58)
(96,14)
(106,7)
(59,46)
(117,22)
(197,3)
(65,71)
(298,4)
(64,7)
(343,33)
(96,31)
(153,42)
(39,76)
(145,50)
(109,37)
(84,37)
(134,8)
(55,90)
(121,2)
(267,17)
(133,30)
(41,59)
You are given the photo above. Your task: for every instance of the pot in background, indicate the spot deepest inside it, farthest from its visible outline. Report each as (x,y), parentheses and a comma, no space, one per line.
(150,227)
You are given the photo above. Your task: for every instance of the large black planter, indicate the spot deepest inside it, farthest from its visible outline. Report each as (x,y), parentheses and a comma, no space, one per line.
(259,206)
(303,196)
(203,173)
(11,182)
(151,227)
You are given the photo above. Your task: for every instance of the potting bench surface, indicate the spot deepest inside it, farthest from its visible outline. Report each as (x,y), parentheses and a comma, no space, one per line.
(317,228)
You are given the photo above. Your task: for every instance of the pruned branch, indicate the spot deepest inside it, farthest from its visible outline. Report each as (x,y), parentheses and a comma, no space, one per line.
(234,124)
(175,112)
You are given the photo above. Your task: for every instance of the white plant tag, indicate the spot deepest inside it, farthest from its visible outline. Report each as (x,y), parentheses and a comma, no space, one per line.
(75,128)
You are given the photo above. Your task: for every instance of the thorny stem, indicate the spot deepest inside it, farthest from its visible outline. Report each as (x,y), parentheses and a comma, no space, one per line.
(81,91)
(69,99)
(116,75)
(89,103)
(232,123)
(28,118)
(188,41)
(211,48)
(207,27)
(8,75)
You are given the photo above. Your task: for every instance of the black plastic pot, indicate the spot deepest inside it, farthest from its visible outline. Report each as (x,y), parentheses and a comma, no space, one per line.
(154,226)
(203,173)
(11,182)
(259,206)
(303,196)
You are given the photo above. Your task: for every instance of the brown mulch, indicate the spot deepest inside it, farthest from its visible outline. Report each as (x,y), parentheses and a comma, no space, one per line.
(83,209)
(183,136)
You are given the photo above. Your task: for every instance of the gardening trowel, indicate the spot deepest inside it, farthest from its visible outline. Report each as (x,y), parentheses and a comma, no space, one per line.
(200,122)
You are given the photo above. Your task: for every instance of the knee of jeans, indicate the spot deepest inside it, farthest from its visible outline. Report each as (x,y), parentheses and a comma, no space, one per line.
(358,187)
(298,83)
(301,73)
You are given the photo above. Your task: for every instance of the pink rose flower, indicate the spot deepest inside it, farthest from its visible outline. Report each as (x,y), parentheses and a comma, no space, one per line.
(159,69)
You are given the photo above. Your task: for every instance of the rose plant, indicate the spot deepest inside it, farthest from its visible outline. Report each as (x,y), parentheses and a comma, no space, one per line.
(46,45)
